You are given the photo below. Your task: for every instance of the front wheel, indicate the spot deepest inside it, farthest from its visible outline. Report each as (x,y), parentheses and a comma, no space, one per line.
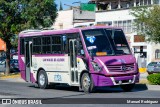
(127,87)
(87,83)
(42,79)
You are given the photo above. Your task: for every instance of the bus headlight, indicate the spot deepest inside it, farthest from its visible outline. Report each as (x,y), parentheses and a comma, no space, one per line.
(96,67)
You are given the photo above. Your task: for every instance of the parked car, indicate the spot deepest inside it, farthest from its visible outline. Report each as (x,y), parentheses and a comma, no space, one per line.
(153,67)
(13,66)
(2,65)
(2,59)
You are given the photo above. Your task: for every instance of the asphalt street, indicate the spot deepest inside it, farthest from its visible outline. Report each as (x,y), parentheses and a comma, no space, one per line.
(20,89)
(29,90)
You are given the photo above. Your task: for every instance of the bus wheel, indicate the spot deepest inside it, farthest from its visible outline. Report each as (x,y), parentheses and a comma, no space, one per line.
(87,83)
(127,87)
(42,79)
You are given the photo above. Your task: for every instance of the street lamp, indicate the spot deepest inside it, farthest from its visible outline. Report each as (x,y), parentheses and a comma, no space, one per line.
(77,2)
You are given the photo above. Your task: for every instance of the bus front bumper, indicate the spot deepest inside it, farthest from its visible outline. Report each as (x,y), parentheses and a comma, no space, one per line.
(102,80)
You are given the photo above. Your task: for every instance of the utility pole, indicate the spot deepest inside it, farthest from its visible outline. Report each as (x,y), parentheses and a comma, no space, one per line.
(60,8)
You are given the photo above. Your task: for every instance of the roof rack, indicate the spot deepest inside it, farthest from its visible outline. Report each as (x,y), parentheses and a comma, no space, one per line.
(48,29)
(31,30)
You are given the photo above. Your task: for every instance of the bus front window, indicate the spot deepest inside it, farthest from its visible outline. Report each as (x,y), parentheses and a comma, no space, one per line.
(102,42)
(97,42)
(117,38)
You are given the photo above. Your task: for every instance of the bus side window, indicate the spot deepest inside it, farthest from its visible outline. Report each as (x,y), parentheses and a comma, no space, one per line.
(22,46)
(56,44)
(37,45)
(70,36)
(80,49)
(46,45)
(64,44)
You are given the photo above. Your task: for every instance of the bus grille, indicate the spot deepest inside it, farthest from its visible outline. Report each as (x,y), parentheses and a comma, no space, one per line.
(120,68)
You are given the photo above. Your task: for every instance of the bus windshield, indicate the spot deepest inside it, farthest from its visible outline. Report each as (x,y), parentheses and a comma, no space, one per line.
(106,42)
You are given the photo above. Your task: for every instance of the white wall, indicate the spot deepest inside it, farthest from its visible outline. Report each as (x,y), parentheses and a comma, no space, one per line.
(67,18)
(114,15)
(84,24)
(151,47)
(64,20)
(79,14)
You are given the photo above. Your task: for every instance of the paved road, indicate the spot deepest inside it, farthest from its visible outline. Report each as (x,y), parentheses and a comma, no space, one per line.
(17,88)
(27,90)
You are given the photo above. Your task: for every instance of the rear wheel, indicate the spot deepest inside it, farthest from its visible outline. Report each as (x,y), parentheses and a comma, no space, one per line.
(42,80)
(87,83)
(127,87)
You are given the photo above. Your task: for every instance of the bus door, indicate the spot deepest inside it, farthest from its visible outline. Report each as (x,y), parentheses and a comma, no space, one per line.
(28,59)
(73,61)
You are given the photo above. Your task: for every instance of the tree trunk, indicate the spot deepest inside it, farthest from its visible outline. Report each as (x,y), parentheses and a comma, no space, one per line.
(8,47)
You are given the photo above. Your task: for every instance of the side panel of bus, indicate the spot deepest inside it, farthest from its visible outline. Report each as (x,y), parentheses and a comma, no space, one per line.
(56,67)
(60,68)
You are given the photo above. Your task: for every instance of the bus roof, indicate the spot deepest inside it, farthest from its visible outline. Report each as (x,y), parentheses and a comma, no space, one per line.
(28,33)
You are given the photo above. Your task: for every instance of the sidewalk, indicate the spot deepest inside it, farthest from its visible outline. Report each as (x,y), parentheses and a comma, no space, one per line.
(17,79)
(12,78)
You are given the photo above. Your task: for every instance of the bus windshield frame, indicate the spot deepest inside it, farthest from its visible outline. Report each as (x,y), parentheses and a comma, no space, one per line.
(106,42)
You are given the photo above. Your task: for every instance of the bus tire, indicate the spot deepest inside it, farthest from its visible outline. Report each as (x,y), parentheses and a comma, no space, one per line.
(87,83)
(42,80)
(127,87)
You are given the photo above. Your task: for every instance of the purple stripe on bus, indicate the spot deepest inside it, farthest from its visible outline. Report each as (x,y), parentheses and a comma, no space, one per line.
(80,57)
(48,32)
(48,55)
(109,60)
(101,80)
(124,78)
(21,63)
(23,75)
(52,32)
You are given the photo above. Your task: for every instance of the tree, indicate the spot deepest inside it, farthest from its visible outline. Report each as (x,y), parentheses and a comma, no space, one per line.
(148,22)
(18,15)
(14,41)
(60,7)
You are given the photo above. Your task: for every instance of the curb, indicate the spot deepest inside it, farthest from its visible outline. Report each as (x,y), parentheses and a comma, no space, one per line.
(10,76)
(140,86)
(143,81)
(153,87)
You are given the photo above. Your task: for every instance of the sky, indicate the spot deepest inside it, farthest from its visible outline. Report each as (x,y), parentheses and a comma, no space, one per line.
(69,2)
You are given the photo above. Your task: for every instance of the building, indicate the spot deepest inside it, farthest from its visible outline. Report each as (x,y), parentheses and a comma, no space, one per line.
(72,17)
(2,46)
(117,13)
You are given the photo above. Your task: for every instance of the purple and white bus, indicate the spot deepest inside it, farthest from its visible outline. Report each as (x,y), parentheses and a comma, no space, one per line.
(85,57)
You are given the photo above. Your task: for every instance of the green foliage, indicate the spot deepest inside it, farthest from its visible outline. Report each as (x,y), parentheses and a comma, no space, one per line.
(18,15)
(148,22)
(14,41)
(154,79)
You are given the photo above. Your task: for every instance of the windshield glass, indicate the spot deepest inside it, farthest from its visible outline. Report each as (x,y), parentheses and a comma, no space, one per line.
(152,63)
(102,42)
(97,42)
(118,41)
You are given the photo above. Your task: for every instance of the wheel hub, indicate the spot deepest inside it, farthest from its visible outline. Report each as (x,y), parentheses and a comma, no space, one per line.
(42,79)
(86,82)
